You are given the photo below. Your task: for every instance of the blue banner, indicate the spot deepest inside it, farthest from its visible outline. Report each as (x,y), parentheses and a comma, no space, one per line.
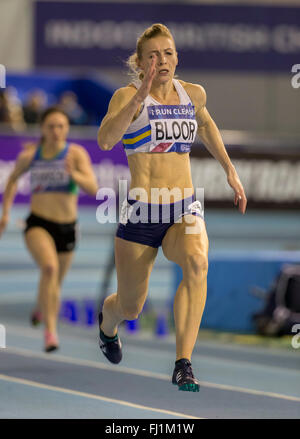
(213,37)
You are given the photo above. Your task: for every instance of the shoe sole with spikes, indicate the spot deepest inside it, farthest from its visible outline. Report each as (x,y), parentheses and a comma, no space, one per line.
(191,387)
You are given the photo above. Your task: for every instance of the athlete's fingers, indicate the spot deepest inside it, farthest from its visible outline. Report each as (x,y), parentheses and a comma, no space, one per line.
(237,197)
(153,65)
(243,205)
(241,200)
(2,226)
(150,72)
(148,78)
(69,164)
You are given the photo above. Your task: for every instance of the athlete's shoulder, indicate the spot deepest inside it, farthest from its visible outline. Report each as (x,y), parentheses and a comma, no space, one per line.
(79,153)
(28,151)
(30,146)
(125,92)
(24,160)
(196,92)
(75,148)
(121,97)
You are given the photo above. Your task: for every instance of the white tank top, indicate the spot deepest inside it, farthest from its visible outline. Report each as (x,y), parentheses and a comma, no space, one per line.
(162,128)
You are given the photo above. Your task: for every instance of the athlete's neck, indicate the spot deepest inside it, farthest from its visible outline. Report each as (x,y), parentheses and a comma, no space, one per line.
(164,92)
(50,149)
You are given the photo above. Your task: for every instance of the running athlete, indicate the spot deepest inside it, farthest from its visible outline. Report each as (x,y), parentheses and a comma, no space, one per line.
(57,170)
(157,118)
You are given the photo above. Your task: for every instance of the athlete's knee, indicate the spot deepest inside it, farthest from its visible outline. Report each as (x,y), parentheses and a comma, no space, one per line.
(196,264)
(50,269)
(130,312)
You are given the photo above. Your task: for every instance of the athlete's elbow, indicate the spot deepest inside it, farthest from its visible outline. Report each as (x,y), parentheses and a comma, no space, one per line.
(92,191)
(104,144)
(102,141)
(94,188)
(105,147)
(91,188)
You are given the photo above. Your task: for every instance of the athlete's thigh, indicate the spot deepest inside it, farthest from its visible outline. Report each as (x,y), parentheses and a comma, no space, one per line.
(134,263)
(65,260)
(41,246)
(184,239)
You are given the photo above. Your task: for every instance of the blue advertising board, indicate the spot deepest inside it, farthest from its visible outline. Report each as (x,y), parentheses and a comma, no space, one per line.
(211,37)
(232,279)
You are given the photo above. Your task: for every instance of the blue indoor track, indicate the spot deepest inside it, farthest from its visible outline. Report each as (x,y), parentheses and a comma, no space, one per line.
(77,381)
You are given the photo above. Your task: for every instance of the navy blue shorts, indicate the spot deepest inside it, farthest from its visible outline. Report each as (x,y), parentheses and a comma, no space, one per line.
(148,224)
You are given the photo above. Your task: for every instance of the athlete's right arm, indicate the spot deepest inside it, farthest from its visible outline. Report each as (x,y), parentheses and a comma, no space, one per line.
(22,164)
(123,106)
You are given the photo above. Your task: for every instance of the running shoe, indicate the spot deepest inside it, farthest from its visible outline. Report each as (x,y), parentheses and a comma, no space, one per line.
(36,317)
(110,346)
(51,341)
(184,378)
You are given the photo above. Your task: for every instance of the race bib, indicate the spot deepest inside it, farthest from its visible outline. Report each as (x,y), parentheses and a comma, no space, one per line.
(45,176)
(172,123)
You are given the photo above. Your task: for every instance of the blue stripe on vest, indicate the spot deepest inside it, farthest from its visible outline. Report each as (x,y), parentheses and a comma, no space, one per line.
(137,144)
(137,133)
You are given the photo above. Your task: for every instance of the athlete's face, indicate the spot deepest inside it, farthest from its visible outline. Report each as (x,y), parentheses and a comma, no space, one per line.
(163,50)
(55,127)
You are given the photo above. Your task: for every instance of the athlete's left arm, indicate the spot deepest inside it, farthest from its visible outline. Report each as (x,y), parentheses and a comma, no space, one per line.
(211,138)
(79,166)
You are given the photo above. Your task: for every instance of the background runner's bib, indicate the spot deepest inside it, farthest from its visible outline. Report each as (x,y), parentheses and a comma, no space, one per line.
(50,175)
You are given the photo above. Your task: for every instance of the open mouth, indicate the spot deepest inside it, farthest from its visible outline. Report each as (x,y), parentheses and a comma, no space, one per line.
(163,71)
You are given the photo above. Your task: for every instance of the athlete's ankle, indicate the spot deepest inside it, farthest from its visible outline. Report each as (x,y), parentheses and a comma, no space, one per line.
(107,337)
(181,360)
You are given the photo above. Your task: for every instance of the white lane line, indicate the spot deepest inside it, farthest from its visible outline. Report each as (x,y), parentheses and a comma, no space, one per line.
(227,345)
(251,391)
(214,359)
(91,396)
(90,363)
(150,350)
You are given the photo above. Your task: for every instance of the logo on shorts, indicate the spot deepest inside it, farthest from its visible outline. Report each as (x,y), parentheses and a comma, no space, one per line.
(126,211)
(196,207)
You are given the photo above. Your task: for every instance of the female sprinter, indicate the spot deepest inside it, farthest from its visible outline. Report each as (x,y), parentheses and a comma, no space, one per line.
(57,169)
(157,118)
